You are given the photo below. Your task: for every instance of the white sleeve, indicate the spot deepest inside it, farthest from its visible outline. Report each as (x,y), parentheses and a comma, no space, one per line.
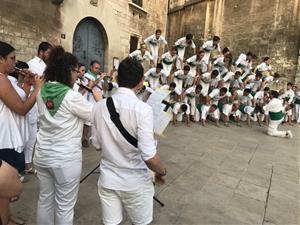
(163,40)
(78,105)
(205,44)
(148,73)
(176,108)
(134,53)
(191,59)
(178,42)
(177,91)
(193,45)
(145,134)
(188,111)
(95,138)
(240,59)
(147,40)
(214,93)
(204,111)
(149,55)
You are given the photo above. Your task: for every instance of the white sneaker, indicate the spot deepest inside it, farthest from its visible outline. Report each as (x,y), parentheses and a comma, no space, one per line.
(289,134)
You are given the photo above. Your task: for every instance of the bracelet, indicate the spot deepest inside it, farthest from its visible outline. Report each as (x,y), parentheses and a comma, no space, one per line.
(163,174)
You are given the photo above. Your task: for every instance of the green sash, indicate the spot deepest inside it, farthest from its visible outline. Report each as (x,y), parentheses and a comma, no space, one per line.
(242,108)
(220,106)
(199,106)
(167,62)
(287,99)
(92,74)
(180,46)
(180,77)
(191,64)
(276,115)
(53,94)
(297,101)
(191,95)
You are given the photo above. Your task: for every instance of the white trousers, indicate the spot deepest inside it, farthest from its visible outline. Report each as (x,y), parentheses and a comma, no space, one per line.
(154,82)
(272,129)
(297,113)
(192,102)
(181,52)
(28,150)
(154,52)
(167,68)
(58,194)
(137,203)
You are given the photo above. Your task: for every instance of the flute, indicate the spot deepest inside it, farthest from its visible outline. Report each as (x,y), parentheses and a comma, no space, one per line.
(23,72)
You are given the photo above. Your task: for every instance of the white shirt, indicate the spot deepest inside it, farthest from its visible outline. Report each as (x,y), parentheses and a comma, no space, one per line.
(264,67)
(122,165)
(37,65)
(243,61)
(153,41)
(59,136)
(152,73)
(193,60)
(176,109)
(208,46)
(183,43)
(14,127)
(275,105)
(167,57)
(290,95)
(138,55)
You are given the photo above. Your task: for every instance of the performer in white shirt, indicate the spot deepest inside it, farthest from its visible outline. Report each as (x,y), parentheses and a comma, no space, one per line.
(156,76)
(276,110)
(154,41)
(245,62)
(169,59)
(91,77)
(209,46)
(37,65)
(181,110)
(265,68)
(124,180)
(181,44)
(11,108)
(183,78)
(58,155)
(288,99)
(197,63)
(142,55)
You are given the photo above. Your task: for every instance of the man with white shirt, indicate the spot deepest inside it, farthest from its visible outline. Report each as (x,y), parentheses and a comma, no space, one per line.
(181,44)
(154,41)
(275,110)
(156,76)
(124,169)
(245,62)
(37,65)
(209,46)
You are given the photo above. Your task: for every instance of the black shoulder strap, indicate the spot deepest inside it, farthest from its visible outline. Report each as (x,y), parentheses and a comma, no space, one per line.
(115,117)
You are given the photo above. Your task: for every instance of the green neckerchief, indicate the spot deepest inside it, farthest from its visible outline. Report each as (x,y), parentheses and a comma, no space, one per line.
(92,74)
(53,94)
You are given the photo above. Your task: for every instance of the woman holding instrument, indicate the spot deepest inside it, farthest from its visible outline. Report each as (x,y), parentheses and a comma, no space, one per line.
(11,108)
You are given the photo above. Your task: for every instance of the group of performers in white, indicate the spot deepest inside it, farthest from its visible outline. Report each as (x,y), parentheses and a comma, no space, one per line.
(210,85)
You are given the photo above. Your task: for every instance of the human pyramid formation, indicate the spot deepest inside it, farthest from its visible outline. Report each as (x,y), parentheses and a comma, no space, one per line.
(210,84)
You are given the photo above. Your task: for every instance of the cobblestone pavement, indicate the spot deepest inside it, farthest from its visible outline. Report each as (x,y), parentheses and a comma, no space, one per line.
(235,175)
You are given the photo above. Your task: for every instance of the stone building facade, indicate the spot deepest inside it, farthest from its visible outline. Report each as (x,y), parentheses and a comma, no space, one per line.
(110,26)
(267,28)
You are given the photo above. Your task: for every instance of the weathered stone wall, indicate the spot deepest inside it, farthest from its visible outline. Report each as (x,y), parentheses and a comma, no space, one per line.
(25,23)
(267,28)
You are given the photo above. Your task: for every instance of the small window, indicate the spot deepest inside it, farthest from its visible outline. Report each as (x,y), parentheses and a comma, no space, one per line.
(138,2)
(133,43)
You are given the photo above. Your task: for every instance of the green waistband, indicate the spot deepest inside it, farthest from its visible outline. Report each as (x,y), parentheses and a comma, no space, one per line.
(297,101)
(276,115)
(167,62)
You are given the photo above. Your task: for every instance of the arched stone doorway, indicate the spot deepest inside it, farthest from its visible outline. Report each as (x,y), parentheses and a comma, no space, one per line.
(89,42)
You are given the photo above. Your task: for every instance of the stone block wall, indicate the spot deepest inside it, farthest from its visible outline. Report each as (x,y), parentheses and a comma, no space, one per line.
(25,23)
(267,28)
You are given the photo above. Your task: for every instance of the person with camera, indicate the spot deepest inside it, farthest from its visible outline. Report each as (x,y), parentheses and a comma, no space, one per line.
(123,128)
(58,154)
